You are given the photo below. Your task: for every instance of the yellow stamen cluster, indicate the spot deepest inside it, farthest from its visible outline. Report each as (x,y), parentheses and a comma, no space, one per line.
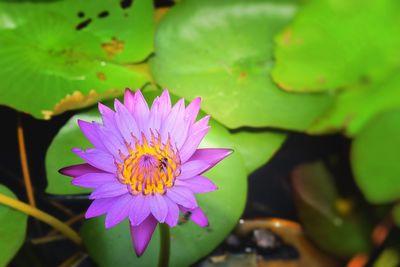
(150,167)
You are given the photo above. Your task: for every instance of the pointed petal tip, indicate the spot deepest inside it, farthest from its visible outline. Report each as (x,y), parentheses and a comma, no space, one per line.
(64,171)
(141,234)
(108,224)
(89,214)
(229,151)
(138,254)
(80,121)
(138,93)
(197,100)
(76,150)
(165,94)
(117,105)
(102,108)
(199,217)
(78,170)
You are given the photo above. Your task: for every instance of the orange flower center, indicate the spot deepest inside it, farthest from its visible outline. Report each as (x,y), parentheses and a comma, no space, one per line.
(150,167)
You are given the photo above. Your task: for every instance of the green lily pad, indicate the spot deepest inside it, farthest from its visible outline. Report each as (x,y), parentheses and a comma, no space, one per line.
(222,51)
(328,47)
(44,56)
(374,155)
(327,218)
(12,231)
(354,108)
(257,148)
(68,137)
(189,242)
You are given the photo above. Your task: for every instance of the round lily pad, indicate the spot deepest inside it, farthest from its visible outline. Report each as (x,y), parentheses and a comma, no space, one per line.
(222,51)
(257,148)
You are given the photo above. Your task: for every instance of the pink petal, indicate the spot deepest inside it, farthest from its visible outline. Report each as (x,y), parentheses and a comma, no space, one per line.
(97,158)
(192,110)
(108,117)
(193,168)
(199,217)
(182,196)
(192,143)
(105,111)
(125,122)
(112,142)
(140,111)
(113,189)
(173,213)
(155,116)
(99,207)
(140,210)
(119,210)
(199,125)
(174,122)
(158,207)
(165,104)
(211,155)
(141,234)
(93,180)
(89,130)
(198,184)
(129,99)
(78,170)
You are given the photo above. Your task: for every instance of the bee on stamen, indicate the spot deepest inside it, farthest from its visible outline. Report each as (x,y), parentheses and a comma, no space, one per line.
(163,164)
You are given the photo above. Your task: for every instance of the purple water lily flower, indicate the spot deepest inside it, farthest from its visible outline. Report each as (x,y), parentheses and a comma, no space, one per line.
(146,164)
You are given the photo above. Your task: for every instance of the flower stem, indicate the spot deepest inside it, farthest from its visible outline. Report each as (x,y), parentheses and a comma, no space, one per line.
(163,259)
(24,162)
(47,218)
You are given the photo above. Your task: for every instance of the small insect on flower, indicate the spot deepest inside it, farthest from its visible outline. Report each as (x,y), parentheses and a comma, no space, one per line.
(146,164)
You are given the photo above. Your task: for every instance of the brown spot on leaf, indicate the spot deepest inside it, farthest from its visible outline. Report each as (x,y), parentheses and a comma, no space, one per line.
(284,86)
(103,14)
(78,100)
(322,80)
(287,37)
(160,13)
(83,24)
(113,47)
(126,3)
(243,75)
(101,76)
